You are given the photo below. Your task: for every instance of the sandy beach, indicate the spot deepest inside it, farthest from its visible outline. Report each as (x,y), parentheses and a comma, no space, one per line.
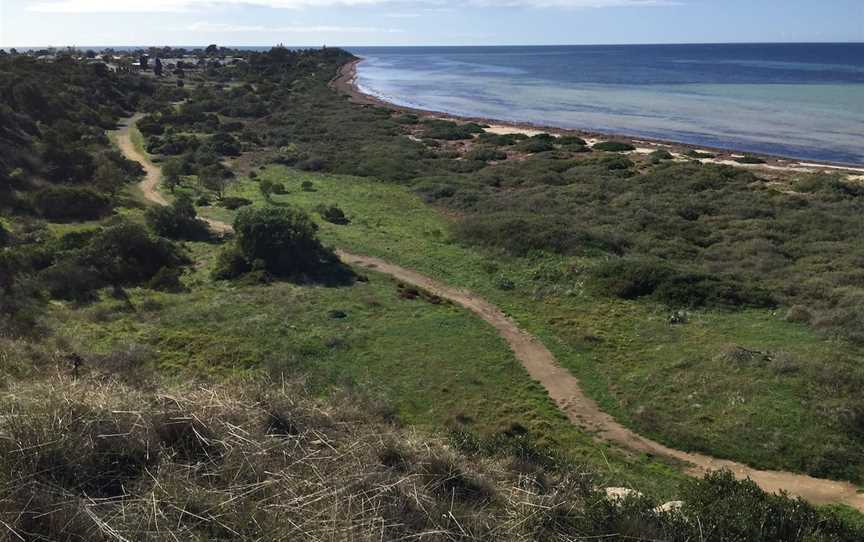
(346,83)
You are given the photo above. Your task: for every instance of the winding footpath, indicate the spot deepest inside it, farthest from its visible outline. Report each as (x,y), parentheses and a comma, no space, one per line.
(561,385)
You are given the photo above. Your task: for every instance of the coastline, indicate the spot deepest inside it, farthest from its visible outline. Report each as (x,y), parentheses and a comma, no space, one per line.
(345,83)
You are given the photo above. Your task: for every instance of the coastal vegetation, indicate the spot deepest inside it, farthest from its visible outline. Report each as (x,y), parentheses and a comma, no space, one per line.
(694,301)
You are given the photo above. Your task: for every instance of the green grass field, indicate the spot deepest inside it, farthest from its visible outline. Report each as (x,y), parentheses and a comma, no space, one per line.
(436,366)
(673,383)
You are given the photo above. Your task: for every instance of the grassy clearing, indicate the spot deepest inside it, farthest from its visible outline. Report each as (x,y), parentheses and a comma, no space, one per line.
(437,366)
(680,384)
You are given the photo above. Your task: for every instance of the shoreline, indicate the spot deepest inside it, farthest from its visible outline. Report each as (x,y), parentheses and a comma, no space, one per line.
(345,83)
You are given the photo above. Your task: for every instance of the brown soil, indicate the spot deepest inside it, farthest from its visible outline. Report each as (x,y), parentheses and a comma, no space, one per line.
(560,384)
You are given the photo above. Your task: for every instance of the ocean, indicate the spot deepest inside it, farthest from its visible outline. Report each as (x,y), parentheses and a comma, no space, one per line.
(803,101)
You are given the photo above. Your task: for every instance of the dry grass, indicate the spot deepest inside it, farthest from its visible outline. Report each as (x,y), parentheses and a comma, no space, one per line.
(97,459)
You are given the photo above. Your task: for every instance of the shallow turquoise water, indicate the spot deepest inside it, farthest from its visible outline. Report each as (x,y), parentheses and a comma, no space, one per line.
(802,101)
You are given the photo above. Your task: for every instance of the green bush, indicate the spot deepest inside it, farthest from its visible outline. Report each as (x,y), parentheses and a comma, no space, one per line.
(520,235)
(739,510)
(500,140)
(572,140)
(693,153)
(448,130)
(614,146)
(634,278)
(71,203)
(534,145)
(749,159)
(284,239)
(231,263)
(660,155)
(175,221)
(408,118)
(332,214)
(166,279)
(128,254)
(234,202)
(486,154)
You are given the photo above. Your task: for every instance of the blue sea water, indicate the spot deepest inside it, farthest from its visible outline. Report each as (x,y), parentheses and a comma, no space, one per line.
(804,101)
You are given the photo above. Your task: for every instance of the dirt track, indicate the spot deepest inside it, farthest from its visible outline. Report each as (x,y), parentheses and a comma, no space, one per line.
(560,384)
(565,390)
(153,173)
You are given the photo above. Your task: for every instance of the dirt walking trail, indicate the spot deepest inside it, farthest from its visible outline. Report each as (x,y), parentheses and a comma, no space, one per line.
(153,173)
(560,384)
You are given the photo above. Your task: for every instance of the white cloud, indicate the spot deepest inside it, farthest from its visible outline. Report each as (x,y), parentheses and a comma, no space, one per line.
(139,6)
(134,6)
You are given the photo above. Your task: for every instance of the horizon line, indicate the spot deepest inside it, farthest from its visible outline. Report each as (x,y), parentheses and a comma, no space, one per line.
(229,46)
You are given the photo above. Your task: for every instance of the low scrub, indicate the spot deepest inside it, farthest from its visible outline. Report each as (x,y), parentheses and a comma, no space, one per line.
(448,130)
(520,235)
(614,146)
(71,203)
(632,279)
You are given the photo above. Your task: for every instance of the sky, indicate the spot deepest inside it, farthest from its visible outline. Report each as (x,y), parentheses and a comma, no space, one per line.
(425,22)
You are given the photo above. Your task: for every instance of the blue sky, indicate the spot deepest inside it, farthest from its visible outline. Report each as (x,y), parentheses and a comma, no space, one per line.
(424,22)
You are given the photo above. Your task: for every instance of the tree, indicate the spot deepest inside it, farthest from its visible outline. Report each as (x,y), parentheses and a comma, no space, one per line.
(70,203)
(108,177)
(212,177)
(157,68)
(283,239)
(175,221)
(171,171)
(211,49)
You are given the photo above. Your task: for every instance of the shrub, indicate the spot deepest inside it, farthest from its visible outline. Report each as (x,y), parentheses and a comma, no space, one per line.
(448,130)
(692,153)
(224,144)
(614,146)
(660,155)
(500,140)
(71,281)
(174,221)
(572,140)
(307,186)
(332,214)
(311,164)
(742,511)
(128,254)
(534,146)
(520,235)
(71,203)
(749,159)
(486,154)
(634,278)
(408,118)
(234,202)
(230,264)
(616,162)
(284,239)
(166,279)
